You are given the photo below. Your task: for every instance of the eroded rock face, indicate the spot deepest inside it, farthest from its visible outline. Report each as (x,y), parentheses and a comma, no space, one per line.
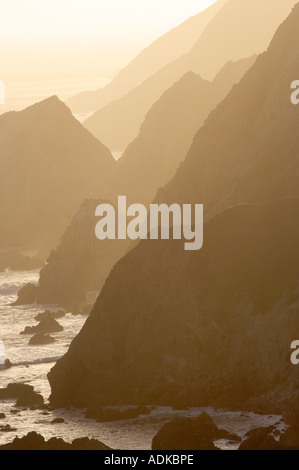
(201,332)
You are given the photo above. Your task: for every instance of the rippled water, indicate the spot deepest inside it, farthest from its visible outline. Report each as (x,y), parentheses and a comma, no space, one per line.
(32,363)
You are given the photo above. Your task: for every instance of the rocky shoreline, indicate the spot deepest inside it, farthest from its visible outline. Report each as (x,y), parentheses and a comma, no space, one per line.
(181,433)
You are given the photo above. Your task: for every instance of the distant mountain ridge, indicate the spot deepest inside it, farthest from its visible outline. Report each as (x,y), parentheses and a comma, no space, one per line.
(81,263)
(164,50)
(241,28)
(48,163)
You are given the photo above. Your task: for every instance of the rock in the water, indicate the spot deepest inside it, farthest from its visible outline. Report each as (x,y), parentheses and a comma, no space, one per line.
(57,421)
(7,428)
(260,439)
(47,313)
(34,441)
(41,338)
(47,325)
(2,416)
(15,390)
(25,395)
(30,399)
(187,434)
(27,295)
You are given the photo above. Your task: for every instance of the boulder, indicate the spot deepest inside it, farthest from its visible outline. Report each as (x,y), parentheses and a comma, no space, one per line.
(15,390)
(31,399)
(187,434)
(7,428)
(47,313)
(27,295)
(260,439)
(41,338)
(25,395)
(58,421)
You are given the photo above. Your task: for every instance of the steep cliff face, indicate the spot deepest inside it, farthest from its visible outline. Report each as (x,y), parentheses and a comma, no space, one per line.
(214,326)
(80,264)
(49,163)
(248,149)
(210,327)
(240,29)
(166,135)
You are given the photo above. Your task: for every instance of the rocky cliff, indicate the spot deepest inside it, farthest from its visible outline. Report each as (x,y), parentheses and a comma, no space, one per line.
(213,326)
(80,264)
(203,328)
(167,133)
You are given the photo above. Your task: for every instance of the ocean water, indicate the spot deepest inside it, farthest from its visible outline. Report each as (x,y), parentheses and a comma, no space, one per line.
(32,363)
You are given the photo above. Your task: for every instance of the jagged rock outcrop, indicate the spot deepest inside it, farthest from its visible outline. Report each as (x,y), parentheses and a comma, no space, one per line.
(47,325)
(166,135)
(49,163)
(247,150)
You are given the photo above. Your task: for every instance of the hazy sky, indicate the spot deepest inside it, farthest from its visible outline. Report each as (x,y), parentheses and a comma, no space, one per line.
(73,34)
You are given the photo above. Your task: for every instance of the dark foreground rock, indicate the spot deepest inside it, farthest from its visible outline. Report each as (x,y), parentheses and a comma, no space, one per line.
(41,339)
(111,414)
(260,439)
(263,439)
(190,434)
(47,325)
(34,441)
(25,395)
(27,295)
